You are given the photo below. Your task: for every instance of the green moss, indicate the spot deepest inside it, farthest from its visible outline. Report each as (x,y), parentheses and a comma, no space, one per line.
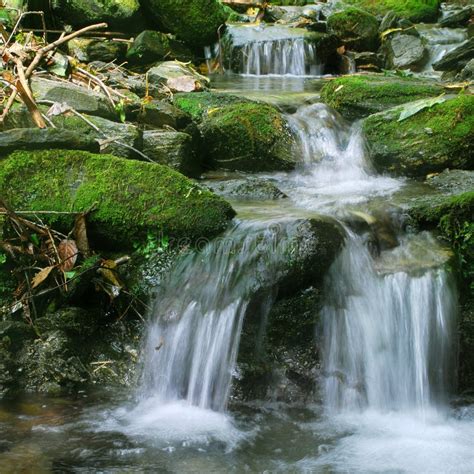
(132,198)
(193,21)
(358,96)
(198,104)
(357,29)
(414,10)
(431,140)
(248,137)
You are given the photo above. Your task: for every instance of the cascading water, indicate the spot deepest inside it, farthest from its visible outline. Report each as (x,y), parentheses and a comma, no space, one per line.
(389,338)
(281,57)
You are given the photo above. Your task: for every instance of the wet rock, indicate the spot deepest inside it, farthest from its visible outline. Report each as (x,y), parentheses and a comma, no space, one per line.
(151,46)
(434,138)
(132,198)
(358,96)
(87,49)
(251,188)
(79,98)
(467,74)
(457,59)
(118,14)
(247,137)
(457,18)
(173,149)
(405,51)
(389,21)
(367,61)
(160,114)
(177,77)
(453,181)
(195,22)
(358,30)
(44,139)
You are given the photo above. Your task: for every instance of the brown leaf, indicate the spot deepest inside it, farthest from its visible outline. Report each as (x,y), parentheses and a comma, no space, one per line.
(341,50)
(107,270)
(80,233)
(67,250)
(41,276)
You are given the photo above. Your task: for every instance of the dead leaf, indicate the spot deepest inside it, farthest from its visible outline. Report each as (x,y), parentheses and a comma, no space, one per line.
(41,276)
(107,270)
(67,250)
(341,50)
(339,88)
(80,233)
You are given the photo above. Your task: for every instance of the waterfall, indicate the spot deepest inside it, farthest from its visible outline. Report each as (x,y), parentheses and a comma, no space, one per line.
(193,337)
(294,57)
(389,337)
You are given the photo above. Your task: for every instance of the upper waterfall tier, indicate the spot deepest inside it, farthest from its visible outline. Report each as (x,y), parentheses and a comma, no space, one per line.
(275,50)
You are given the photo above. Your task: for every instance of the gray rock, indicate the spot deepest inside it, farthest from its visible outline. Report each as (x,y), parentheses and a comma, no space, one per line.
(250,188)
(160,114)
(405,51)
(457,18)
(88,49)
(467,74)
(169,72)
(174,149)
(453,181)
(457,59)
(44,139)
(79,98)
(390,20)
(151,46)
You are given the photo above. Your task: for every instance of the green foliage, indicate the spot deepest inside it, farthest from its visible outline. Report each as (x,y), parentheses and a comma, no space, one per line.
(152,246)
(414,10)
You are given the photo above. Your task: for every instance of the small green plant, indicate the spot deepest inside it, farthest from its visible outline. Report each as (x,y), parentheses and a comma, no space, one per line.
(3,258)
(153,246)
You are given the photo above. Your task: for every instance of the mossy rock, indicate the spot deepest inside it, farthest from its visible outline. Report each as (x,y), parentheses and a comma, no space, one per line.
(414,10)
(435,138)
(195,21)
(117,13)
(357,29)
(197,105)
(360,95)
(132,198)
(247,137)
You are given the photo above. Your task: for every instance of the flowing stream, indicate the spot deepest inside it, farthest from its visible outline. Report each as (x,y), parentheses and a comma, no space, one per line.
(389,331)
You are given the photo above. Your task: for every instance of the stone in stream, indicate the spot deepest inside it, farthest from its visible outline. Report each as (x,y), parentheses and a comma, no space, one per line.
(432,138)
(357,96)
(457,18)
(195,21)
(80,98)
(358,30)
(151,46)
(133,198)
(173,149)
(405,51)
(117,13)
(44,139)
(456,59)
(163,114)
(248,188)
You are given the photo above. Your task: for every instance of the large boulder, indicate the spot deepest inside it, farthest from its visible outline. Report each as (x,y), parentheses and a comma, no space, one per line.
(131,198)
(405,51)
(457,18)
(356,29)
(117,13)
(195,21)
(456,59)
(414,10)
(247,136)
(357,96)
(430,139)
